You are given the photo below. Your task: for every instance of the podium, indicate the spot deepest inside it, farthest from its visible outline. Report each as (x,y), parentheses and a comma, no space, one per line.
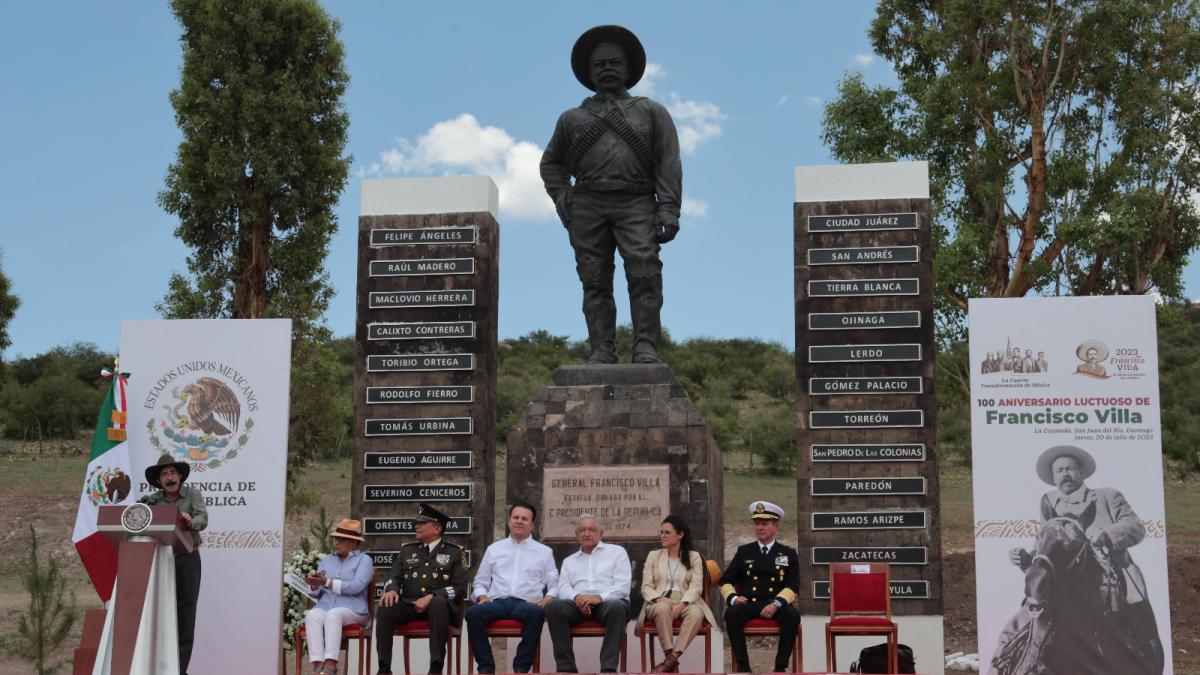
(140,634)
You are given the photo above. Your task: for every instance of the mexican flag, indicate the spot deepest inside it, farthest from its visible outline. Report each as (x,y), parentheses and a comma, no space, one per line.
(108,480)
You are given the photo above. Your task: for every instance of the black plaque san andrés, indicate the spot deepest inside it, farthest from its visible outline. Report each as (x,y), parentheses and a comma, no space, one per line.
(430,394)
(863,222)
(865,419)
(868,486)
(418,426)
(421,267)
(427,492)
(384,560)
(874,255)
(868,452)
(457,525)
(430,330)
(423,235)
(463,297)
(869,520)
(901,590)
(399,363)
(831,386)
(863,353)
(864,320)
(892,555)
(845,288)
(416,460)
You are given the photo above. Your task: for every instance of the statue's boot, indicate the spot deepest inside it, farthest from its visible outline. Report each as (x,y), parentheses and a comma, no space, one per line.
(644,277)
(599,309)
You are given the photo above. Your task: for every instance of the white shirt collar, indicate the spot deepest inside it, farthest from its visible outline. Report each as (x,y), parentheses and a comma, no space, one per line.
(599,545)
(770,545)
(433,544)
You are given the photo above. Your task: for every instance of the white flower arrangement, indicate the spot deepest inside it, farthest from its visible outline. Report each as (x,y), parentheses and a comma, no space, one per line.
(302,563)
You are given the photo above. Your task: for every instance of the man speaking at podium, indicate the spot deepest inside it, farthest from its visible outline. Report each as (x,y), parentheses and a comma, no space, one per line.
(168,476)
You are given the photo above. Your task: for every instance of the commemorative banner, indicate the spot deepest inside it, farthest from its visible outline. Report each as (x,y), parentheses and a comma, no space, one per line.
(214,394)
(1070,529)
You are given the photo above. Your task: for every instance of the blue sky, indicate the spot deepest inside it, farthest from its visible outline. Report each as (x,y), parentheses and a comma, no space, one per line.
(436,88)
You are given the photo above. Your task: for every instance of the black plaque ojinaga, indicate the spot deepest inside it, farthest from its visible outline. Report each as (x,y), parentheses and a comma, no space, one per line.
(399,363)
(431,330)
(865,419)
(418,426)
(875,255)
(901,590)
(384,560)
(869,520)
(412,299)
(416,460)
(863,222)
(421,267)
(446,394)
(832,386)
(376,526)
(892,555)
(845,288)
(868,452)
(864,320)
(863,353)
(423,235)
(868,487)
(426,492)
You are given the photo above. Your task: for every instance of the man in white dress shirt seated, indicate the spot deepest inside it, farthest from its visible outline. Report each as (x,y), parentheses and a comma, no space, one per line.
(593,584)
(516,579)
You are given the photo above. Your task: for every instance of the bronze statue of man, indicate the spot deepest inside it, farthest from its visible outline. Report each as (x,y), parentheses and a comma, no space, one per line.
(623,154)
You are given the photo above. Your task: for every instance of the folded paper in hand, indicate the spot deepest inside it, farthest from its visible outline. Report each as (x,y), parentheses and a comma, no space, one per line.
(297,584)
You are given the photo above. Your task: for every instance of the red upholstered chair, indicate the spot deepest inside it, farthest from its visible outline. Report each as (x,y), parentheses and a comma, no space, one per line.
(593,628)
(648,627)
(419,630)
(761,626)
(860,603)
(506,628)
(354,631)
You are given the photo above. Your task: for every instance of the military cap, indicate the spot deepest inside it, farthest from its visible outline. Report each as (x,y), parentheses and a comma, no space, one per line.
(765,511)
(428,514)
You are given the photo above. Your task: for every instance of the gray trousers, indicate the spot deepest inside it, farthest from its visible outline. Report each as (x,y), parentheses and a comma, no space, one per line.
(562,614)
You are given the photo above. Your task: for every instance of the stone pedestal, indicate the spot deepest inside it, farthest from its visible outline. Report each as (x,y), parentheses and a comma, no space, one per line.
(623,442)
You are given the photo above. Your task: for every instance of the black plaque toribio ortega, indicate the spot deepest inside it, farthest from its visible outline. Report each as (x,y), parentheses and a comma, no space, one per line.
(869,520)
(893,555)
(875,255)
(427,492)
(401,363)
(868,486)
(416,460)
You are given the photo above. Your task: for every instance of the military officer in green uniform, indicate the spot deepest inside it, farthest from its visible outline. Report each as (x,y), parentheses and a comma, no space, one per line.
(426,582)
(762,580)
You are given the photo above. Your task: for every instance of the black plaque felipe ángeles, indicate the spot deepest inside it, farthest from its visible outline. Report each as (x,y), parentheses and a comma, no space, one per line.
(424,236)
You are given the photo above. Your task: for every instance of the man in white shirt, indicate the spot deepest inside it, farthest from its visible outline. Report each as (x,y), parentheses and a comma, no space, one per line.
(516,579)
(593,584)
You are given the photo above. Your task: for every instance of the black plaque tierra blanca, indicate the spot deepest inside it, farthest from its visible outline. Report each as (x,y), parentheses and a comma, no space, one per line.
(847,288)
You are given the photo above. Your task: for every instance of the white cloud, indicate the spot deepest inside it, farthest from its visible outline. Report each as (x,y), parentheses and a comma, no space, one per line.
(696,121)
(648,85)
(814,100)
(782,100)
(862,60)
(693,208)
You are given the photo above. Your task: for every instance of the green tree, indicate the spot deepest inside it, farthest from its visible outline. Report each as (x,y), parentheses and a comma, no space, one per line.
(1063,140)
(51,615)
(8,309)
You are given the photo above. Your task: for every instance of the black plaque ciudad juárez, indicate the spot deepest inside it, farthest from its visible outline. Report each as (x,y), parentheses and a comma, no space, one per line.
(832,386)
(869,520)
(423,235)
(874,255)
(865,419)
(901,589)
(418,426)
(416,460)
(863,222)
(425,492)
(377,526)
(451,297)
(893,555)
(424,394)
(868,486)
(430,330)
(867,452)
(864,353)
(847,288)
(421,267)
(397,363)
(864,320)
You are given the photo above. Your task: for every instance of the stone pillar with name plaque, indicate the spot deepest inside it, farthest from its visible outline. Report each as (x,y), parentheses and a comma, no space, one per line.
(866,434)
(425,368)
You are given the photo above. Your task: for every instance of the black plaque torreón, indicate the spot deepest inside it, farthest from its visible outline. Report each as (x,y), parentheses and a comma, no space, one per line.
(845,288)
(863,353)
(901,590)
(868,452)
(432,330)
(447,394)
(407,525)
(418,426)
(865,419)
(830,386)
(429,492)
(423,235)
(421,267)
(868,486)
(864,320)
(398,363)
(863,222)
(384,560)
(417,460)
(869,520)
(875,255)
(410,299)
(893,555)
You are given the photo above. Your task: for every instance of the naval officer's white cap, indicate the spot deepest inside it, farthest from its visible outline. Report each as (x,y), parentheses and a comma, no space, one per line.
(765,511)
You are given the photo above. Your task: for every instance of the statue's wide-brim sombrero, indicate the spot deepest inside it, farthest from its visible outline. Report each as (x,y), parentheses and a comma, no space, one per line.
(1101,350)
(1087,463)
(581,53)
(163,462)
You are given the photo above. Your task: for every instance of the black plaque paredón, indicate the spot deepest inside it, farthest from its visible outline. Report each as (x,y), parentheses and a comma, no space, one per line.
(870,520)
(863,353)
(421,267)
(892,555)
(868,486)
(399,363)
(411,395)
(410,299)
(432,330)
(867,452)
(416,460)
(901,590)
(376,526)
(863,222)
(429,492)
(865,419)
(832,386)
(847,288)
(418,426)
(873,255)
(423,235)
(864,320)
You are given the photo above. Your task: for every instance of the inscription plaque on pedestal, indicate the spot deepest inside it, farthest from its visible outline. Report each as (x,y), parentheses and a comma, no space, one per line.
(398,363)
(421,267)
(877,485)
(404,299)
(828,386)
(869,520)
(423,235)
(900,590)
(630,501)
(868,452)
(892,555)
(875,255)
(869,287)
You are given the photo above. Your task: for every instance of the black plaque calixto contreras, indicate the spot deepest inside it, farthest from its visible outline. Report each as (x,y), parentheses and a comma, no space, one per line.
(432,330)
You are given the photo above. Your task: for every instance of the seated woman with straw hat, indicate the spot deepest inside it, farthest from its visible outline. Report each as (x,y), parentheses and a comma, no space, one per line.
(672,581)
(343,578)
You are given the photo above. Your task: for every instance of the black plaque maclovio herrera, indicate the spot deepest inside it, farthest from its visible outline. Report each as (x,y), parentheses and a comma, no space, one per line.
(421,267)
(893,555)
(423,235)
(428,492)
(376,526)
(864,320)
(863,353)
(433,394)
(865,419)
(868,452)
(901,589)
(869,520)
(875,255)
(418,426)
(868,486)
(863,222)
(396,363)
(416,460)
(384,560)
(845,288)
(432,330)
(464,297)
(830,386)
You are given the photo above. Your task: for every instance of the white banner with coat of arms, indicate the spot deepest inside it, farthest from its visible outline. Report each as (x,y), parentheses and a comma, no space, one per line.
(214,394)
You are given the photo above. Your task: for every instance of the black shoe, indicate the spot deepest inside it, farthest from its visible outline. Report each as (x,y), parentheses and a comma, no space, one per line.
(435,668)
(486,671)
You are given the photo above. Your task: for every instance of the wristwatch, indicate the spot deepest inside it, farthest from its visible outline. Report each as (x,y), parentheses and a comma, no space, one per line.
(779,602)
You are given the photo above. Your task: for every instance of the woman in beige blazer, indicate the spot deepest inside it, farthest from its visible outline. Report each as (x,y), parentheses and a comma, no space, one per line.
(671,590)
